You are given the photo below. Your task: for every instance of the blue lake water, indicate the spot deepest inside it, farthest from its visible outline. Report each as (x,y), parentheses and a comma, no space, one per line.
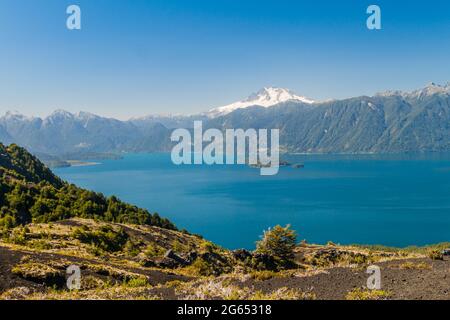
(390,200)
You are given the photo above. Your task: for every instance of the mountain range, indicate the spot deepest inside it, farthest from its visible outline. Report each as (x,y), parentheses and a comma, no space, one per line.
(388,122)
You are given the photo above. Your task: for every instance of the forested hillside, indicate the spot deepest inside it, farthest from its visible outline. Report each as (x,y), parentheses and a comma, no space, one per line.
(30,192)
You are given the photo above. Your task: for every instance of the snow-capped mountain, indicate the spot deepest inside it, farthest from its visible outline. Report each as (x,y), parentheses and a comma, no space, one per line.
(429,90)
(266,97)
(15,116)
(391,122)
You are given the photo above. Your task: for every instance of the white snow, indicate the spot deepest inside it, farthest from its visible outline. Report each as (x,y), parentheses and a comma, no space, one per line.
(16,116)
(429,90)
(266,97)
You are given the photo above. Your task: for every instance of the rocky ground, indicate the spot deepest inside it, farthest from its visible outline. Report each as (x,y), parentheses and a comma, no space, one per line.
(155,263)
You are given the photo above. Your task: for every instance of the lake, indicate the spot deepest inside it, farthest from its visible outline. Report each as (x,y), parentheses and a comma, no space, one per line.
(394,200)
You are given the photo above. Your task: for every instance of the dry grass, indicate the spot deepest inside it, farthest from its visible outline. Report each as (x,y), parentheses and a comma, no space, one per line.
(414,266)
(264,275)
(111,293)
(224,289)
(35,271)
(366,294)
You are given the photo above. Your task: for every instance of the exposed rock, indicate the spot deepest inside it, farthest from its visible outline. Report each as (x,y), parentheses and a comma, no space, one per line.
(168,263)
(213,257)
(190,257)
(146,262)
(171,261)
(170,254)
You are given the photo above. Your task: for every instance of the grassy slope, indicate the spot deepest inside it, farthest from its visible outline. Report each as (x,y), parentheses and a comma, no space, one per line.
(41,252)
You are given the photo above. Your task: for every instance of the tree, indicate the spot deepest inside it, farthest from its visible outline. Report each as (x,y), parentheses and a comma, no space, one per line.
(279,243)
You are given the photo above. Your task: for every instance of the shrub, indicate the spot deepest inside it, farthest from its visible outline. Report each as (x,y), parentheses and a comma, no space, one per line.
(179,247)
(137,282)
(435,254)
(132,248)
(208,246)
(279,243)
(40,245)
(201,267)
(365,294)
(18,236)
(154,251)
(106,238)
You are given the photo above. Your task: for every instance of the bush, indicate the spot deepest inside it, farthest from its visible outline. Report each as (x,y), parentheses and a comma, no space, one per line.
(279,243)
(365,294)
(154,251)
(435,254)
(202,268)
(137,282)
(18,236)
(106,238)
(208,246)
(132,248)
(179,247)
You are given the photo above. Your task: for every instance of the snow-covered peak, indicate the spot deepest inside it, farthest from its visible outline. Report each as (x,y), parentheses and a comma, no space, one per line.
(83,115)
(266,97)
(59,113)
(86,115)
(429,90)
(15,115)
(58,116)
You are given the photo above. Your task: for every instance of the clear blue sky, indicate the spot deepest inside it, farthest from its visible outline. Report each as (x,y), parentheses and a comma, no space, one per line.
(141,57)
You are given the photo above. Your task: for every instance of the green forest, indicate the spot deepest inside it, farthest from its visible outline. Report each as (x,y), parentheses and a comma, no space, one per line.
(30,192)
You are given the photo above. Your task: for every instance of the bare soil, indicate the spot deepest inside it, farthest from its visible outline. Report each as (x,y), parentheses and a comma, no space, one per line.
(335,283)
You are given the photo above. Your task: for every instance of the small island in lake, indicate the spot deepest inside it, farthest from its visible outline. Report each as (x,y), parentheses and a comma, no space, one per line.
(282,163)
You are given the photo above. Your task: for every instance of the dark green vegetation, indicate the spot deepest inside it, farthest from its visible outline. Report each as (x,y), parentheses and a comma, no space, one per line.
(30,192)
(106,238)
(279,243)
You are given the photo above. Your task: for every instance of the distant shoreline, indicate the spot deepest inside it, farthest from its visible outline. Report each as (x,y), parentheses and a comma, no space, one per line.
(78,163)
